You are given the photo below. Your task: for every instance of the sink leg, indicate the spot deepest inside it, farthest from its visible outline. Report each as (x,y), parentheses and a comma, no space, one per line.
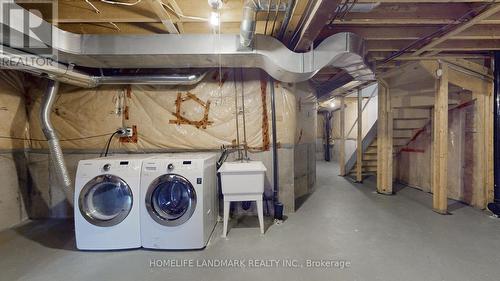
(260,212)
(226,218)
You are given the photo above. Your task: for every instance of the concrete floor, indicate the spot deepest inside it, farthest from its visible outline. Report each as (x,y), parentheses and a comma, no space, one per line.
(382,237)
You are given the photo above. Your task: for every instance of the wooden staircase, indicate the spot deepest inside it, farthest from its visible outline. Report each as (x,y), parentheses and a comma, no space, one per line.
(369,165)
(410,116)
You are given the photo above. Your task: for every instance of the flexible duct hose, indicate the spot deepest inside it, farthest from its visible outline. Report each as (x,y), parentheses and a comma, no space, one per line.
(56,155)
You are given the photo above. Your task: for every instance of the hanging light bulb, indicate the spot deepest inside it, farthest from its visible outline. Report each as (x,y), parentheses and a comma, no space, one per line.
(333,103)
(214,18)
(216,5)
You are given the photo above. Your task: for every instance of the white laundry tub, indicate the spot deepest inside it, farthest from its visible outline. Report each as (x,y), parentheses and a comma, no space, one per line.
(242,178)
(242,181)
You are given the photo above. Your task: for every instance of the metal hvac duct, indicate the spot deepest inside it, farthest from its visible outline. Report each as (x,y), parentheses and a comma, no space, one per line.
(60,72)
(248,23)
(342,50)
(249,18)
(56,155)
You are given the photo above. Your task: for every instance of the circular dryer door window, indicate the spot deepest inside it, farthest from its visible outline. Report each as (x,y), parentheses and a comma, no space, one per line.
(171,200)
(105,200)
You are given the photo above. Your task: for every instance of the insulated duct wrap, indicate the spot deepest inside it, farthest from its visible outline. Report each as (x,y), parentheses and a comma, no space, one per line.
(56,155)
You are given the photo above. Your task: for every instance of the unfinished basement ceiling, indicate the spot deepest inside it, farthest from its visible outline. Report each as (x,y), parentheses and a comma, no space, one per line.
(388,25)
(187,15)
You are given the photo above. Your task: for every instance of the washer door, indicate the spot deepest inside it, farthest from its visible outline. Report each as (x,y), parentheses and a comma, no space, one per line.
(105,200)
(171,200)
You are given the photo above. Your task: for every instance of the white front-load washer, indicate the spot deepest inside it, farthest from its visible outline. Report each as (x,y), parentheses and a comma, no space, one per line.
(178,201)
(106,203)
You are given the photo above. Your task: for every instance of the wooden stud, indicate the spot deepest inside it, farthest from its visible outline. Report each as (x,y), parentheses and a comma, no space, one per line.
(398,32)
(440,142)
(359,150)
(166,19)
(178,10)
(342,137)
(321,12)
(449,45)
(483,149)
(384,140)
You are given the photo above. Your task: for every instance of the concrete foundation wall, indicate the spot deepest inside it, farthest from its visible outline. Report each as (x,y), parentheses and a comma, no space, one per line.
(30,189)
(14,195)
(305,146)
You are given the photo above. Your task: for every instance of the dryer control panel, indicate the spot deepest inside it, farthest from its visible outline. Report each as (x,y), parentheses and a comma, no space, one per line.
(169,166)
(87,168)
(180,165)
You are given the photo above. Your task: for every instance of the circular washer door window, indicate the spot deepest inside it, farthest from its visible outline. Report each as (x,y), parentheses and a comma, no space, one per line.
(105,200)
(171,200)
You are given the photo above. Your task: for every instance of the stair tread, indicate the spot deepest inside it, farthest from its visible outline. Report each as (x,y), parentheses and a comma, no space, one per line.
(364,173)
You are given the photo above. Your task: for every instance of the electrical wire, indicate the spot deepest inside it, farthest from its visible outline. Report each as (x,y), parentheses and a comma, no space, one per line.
(121,3)
(180,15)
(267,18)
(109,143)
(93,7)
(275,17)
(348,10)
(114,25)
(440,32)
(340,10)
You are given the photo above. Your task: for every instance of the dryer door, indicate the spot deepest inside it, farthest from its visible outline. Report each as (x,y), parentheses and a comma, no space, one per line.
(106,200)
(171,200)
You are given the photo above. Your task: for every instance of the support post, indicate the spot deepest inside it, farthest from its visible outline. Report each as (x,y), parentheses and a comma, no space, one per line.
(342,137)
(480,142)
(495,130)
(359,150)
(440,142)
(384,140)
(328,118)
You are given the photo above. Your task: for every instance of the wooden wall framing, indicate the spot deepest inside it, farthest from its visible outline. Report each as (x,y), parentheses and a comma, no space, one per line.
(384,140)
(342,137)
(467,75)
(359,139)
(439,183)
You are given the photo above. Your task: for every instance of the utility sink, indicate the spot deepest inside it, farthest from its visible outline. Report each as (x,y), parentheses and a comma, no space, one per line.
(242,181)
(242,178)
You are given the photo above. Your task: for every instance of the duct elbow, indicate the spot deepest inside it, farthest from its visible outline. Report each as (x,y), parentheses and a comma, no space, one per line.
(196,78)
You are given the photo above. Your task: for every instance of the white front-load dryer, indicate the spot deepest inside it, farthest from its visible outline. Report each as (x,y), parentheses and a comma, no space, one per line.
(106,201)
(178,201)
